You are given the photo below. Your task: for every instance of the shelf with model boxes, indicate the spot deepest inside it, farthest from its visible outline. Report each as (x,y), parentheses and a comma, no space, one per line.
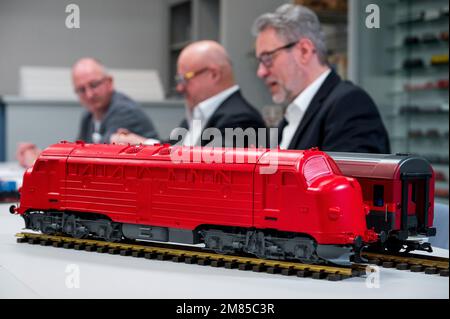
(419,66)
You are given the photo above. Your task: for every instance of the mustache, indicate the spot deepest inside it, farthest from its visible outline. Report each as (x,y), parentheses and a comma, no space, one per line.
(270,81)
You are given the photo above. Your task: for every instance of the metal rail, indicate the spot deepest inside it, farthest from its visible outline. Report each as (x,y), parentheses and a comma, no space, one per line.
(416,263)
(194,255)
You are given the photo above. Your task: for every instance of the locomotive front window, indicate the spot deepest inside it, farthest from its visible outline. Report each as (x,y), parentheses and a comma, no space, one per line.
(378,196)
(314,168)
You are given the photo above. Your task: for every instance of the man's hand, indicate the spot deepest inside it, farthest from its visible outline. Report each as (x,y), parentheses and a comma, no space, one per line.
(123,136)
(27,153)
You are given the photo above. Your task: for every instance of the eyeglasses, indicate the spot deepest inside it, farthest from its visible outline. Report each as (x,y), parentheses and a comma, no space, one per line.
(92,85)
(182,79)
(267,58)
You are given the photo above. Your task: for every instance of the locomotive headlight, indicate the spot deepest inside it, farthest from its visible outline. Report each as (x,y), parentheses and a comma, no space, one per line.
(334,213)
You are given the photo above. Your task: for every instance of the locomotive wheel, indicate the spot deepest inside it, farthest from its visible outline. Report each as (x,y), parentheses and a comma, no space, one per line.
(264,245)
(114,233)
(80,232)
(46,229)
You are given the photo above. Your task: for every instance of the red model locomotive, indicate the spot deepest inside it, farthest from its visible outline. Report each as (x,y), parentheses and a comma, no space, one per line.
(116,192)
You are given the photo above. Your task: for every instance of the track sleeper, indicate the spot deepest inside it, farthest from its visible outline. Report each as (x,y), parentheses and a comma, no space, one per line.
(431,271)
(245,266)
(402,266)
(443,272)
(150,256)
(273,270)
(388,264)
(102,249)
(288,272)
(79,246)
(162,256)
(178,259)
(231,265)
(68,245)
(304,273)
(375,262)
(259,268)
(137,254)
(319,275)
(217,263)
(334,277)
(125,252)
(204,262)
(357,273)
(33,241)
(416,268)
(191,260)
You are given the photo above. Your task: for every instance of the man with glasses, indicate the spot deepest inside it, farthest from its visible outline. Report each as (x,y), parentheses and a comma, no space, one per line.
(106,109)
(322,110)
(213,101)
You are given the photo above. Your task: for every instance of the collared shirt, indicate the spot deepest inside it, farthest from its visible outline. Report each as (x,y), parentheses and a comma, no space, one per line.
(96,136)
(202,113)
(297,109)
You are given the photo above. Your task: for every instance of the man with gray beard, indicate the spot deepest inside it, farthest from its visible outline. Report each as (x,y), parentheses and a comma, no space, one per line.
(322,110)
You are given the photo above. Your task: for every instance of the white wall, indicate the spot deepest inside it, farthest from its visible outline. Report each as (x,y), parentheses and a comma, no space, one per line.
(237,17)
(122,34)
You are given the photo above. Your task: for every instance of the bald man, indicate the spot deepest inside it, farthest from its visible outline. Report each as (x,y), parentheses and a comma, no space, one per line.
(106,109)
(213,100)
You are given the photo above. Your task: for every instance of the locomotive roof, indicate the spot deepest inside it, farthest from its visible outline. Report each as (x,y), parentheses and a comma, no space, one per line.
(383,166)
(167,152)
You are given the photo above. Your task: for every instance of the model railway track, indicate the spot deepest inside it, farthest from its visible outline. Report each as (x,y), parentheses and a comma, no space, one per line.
(193,255)
(415,263)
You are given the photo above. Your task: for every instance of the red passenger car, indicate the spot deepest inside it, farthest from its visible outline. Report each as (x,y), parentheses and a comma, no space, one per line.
(114,192)
(399,191)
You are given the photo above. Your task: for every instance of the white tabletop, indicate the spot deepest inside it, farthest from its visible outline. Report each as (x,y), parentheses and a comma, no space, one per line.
(34,271)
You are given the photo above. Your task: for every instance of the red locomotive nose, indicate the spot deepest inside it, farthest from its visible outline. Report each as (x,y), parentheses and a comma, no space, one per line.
(344,213)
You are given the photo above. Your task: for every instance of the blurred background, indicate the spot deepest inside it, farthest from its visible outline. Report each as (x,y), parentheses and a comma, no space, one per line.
(403,64)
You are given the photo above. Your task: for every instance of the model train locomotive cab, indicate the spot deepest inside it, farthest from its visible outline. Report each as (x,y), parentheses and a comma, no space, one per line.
(234,203)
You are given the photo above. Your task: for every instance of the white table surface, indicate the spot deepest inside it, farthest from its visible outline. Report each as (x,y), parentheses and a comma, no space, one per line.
(34,271)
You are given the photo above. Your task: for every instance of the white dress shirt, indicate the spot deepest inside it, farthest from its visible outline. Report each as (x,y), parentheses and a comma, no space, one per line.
(202,113)
(96,136)
(297,109)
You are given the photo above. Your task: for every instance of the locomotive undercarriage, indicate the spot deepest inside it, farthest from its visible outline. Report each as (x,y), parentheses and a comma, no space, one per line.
(75,225)
(394,241)
(397,244)
(263,244)
(267,244)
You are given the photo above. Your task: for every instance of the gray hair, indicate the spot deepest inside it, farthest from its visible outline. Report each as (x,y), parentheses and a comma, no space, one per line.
(293,23)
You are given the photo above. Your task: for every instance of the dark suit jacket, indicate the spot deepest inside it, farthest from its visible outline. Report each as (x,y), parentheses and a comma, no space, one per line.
(122,113)
(341,118)
(234,112)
